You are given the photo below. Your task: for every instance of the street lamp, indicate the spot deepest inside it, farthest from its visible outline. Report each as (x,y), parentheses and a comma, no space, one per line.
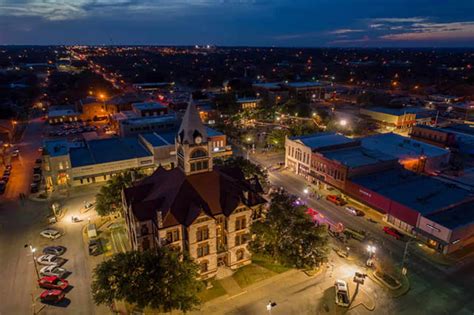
(33,250)
(343,122)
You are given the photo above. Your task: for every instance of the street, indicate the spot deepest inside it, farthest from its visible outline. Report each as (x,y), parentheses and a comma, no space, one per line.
(446,285)
(20,224)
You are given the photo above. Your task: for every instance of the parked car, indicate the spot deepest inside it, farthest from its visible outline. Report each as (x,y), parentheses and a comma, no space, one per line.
(7,172)
(50,260)
(342,293)
(36,178)
(354,211)
(37,169)
(393,232)
(34,188)
(53,271)
(335,199)
(54,250)
(8,167)
(95,248)
(38,161)
(50,233)
(15,152)
(52,296)
(6,178)
(53,282)
(3,186)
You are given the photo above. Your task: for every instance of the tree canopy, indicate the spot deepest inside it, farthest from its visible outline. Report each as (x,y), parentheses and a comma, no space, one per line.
(162,279)
(109,198)
(288,234)
(248,168)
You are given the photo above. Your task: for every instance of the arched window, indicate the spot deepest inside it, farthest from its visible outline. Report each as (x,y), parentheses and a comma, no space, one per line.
(204,266)
(198,153)
(240,254)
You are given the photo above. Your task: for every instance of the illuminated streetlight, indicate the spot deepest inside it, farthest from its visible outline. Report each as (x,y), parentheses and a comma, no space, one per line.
(33,250)
(306,191)
(343,122)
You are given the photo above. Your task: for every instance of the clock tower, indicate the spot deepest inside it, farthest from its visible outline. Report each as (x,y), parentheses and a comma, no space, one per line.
(193,151)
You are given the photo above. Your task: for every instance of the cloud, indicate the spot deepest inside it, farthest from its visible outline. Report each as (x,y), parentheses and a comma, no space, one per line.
(435,32)
(400,20)
(365,39)
(55,10)
(345,31)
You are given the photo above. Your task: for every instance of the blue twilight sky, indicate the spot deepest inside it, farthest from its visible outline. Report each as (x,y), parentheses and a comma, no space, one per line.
(365,23)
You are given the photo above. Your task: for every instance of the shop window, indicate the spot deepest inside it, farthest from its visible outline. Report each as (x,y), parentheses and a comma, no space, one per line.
(240,254)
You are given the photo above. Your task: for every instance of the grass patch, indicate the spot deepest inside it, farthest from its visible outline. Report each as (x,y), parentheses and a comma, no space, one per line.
(212,293)
(268,263)
(250,274)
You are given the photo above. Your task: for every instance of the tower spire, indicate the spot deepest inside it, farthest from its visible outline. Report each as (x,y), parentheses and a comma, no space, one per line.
(192,130)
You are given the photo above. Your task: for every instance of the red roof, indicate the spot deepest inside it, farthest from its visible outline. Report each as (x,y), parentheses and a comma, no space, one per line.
(181,198)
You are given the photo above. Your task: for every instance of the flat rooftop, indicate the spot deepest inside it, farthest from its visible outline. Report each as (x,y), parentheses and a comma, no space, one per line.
(400,111)
(248,99)
(62,112)
(150,120)
(268,85)
(303,84)
(322,139)
(108,150)
(155,139)
(357,156)
(422,193)
(148,106)
(455,217)
(401,147)
(56,147)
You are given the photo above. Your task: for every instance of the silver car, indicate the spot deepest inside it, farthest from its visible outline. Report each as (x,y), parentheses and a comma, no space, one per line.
(53,271)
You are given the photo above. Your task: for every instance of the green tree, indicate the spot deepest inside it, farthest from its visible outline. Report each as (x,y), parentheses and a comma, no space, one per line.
(288,234)
(276,138)
(162,279)
(109,198)
(249,169)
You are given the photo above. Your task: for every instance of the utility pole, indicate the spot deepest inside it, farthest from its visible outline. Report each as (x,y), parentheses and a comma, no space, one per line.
(33,250)
(405,254)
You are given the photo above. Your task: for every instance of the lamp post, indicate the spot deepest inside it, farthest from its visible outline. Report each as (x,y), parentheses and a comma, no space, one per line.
(405,255)
(33,250)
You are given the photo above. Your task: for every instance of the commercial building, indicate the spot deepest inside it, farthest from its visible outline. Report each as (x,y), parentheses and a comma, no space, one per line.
(195,207)
(399,118)
(62,114)
(92,109)
(310,91)
(71,164)
(385,172)
(96,160)
(128,123)
(149,109)
(412,154)
(248,103)
(299,150)
(419,204)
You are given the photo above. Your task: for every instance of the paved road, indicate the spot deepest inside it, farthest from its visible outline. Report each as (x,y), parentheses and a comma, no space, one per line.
(20,224)
(299,294)
(449,287)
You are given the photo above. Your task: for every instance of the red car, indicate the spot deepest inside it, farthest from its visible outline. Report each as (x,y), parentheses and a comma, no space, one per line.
(52,296)
(335,200)
(393,232)
(53,282)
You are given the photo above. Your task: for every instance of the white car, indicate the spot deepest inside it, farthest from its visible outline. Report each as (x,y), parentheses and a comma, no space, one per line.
(50,233)
(48,260)
(342,293)
(354,211)
(53,271)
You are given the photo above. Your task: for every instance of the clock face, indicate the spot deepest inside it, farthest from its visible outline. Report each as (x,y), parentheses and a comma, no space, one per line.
(198,139)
